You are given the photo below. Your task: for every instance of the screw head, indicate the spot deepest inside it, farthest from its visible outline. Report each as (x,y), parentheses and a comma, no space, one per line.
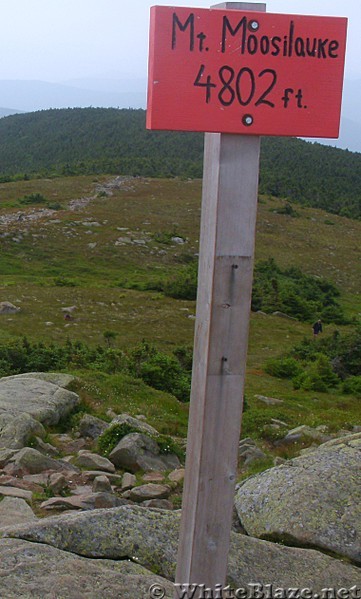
(254,25)
(247,120)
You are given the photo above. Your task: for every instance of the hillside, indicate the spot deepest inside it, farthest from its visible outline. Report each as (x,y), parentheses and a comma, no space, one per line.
(98,140)
(99,249)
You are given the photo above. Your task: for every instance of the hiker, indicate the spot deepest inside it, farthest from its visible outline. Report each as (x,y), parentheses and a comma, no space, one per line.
(317,328)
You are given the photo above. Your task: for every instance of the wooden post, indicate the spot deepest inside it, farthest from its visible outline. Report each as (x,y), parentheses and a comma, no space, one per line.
(228,223)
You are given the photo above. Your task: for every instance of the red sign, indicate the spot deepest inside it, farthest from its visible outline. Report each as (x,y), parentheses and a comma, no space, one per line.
(245,72)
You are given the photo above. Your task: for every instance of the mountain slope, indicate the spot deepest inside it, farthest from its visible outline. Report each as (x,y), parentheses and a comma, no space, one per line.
(99,140)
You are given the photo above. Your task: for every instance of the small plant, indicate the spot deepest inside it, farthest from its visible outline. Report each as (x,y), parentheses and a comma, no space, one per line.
(166,237)
(167,445)
(33,198)
(286,209)
(111,437)
(109,337)
(64,282)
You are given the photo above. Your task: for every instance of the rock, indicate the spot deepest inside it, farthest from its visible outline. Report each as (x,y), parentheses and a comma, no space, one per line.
(15,511)
(5,456)
(57,483)
(67,444)
(18,430)
(308,432)
(283,315)
(128,481)
(43,401)
(56,378)
(89,475)
(89,501)
(46,448)
(139,532)
(139,452)
(90,426)
(146,492)
(269,401)
(69,309)
(16,492)
(93,461)
(313,500)
(249,452)
(33,570)
(8,308)
(153,477)
(20,483)
(177,476)
(101,484)
(135,423)
(34,462)
(161,504)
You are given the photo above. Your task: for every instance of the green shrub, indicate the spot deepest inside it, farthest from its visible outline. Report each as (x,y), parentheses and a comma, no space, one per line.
(159,370)
(302,296)
(33,198)
(319,376)
(64,282)
(183,284)
(283,368)
(168,445)
(352,386)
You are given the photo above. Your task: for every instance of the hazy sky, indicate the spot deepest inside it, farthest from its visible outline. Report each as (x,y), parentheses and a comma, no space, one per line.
(57,40)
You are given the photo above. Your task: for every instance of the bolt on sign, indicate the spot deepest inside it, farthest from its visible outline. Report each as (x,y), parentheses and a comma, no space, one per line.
(245,72)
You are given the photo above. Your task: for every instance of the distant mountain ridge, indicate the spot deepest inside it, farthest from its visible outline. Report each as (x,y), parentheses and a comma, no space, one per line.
(108,140)
(31,96)
(8,111)
(130,92)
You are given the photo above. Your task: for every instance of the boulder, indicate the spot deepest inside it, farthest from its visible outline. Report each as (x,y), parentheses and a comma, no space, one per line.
(90,426)
(8,308)
(16,492)
(93,461)
(162,504)
(44,401)
(128,481)
(177,476)
(313,500)
(18,430)
(89,475)
(57,483)
(56,378)
(146,492)
(34,462)
(139,452)
(46,448)
(33,570)
(5,456)
(150,537)
(101,484)
(248,452)
(306,432)
(138,425)
(88,501)
(14,511)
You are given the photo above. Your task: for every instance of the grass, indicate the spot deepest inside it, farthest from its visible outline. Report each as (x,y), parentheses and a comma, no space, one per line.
(104,258)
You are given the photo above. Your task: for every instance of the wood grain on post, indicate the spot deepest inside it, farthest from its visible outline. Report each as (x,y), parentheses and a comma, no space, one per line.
(228,224)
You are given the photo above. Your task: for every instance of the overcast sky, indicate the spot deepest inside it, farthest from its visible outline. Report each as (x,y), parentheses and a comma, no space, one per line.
(59,40)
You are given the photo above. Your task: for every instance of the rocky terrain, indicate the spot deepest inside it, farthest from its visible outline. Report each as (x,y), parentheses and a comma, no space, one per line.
(75,523)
